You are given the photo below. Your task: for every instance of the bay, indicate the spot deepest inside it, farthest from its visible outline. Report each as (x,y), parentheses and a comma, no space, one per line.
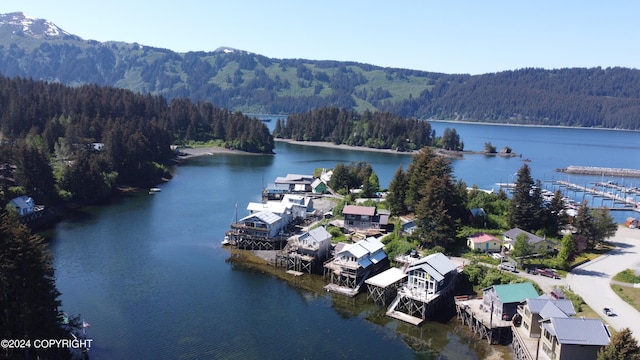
(148,272)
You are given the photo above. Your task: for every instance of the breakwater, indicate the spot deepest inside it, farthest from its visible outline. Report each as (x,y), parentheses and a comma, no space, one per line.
(604,171)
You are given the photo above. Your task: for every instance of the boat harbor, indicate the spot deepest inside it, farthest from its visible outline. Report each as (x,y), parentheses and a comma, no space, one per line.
(613,196)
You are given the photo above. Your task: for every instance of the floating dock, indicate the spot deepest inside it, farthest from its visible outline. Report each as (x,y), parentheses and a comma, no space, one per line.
(603,171)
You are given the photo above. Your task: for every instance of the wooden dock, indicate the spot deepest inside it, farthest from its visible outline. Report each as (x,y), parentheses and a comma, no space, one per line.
(599,190)
(481,322)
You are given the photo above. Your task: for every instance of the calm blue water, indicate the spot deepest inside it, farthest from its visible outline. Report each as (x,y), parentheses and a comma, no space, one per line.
(149,275)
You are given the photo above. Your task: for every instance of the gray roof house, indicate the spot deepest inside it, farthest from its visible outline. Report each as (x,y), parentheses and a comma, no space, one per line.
(539,244)
(573,338)
(23,204)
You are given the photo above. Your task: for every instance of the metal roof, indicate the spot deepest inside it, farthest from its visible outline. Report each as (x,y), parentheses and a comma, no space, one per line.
(578,331)
(264,216)
(359,210)
(386,277)
(512,293)
(539,305)
(437,265)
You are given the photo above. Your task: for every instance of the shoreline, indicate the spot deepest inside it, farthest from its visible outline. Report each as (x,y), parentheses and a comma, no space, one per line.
(191,152)
(326,144)
(442,152)
(526,125)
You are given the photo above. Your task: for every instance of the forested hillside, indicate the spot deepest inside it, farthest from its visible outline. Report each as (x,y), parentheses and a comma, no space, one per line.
(240,80)
(63,143)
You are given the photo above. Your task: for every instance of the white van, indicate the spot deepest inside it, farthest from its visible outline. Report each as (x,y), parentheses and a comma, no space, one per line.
(507,266)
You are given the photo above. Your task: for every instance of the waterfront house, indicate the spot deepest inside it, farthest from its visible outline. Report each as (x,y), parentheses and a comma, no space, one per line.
(504,299)
(318,187)
(289,207)
(428,279)
(353,264)
(296,182)
(24,205)
(308,251)
(484,242)
(540,245)
(431,275)
(573,338)
(363,217)
(534,310)
(263,223)
(274,191)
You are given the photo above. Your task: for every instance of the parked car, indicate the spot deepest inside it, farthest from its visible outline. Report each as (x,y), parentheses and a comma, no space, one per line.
(507,266)
(607,311)
(548,273)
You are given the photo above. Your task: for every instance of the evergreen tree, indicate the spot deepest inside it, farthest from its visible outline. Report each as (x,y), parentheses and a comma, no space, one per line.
(622,346)
(434,197)
(397,192)
(28,294)
(556,216)
(525,207)
(35,174)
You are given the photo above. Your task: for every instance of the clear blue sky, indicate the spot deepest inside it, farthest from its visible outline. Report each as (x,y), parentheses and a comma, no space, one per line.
(472,37)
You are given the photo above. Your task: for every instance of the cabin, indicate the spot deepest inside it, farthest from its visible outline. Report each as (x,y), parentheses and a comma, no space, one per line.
(484,242)
(289,208)
(263,223)
(503,300)
(533,310)
(318,187)
(24,205)
(540,245)
(308,251)
(566,338)
(428,280)
(262,230)
(274,191)
(363,218)
(431,275)
(296,182)
(353,264)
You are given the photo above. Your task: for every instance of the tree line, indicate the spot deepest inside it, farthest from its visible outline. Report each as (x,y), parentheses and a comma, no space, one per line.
(77,144)
(370,129)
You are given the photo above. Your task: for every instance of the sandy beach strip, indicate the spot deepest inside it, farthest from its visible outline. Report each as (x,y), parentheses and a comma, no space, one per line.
(327,144)
(190,152)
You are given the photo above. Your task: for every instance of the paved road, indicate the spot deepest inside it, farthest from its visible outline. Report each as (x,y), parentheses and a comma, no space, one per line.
(592,280)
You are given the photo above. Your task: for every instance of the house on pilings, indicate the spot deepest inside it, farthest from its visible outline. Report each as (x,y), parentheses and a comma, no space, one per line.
(353,264)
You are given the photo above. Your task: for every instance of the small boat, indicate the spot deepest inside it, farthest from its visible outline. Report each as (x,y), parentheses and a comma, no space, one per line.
(226,241)
(154,190)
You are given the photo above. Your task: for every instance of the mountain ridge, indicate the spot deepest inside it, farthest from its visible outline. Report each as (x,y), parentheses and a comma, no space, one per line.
(245,81)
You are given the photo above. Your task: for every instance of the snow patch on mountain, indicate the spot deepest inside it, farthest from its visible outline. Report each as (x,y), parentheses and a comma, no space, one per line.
(38,28)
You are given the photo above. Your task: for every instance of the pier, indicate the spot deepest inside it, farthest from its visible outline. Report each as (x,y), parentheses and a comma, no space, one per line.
(604,171)
(481,321)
